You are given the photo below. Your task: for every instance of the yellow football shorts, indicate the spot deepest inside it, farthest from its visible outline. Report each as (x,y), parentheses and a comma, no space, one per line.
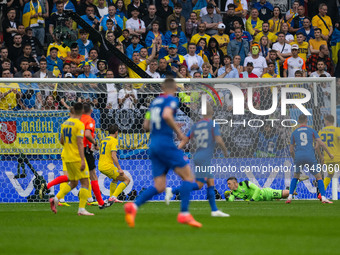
(112,173)
(74,173)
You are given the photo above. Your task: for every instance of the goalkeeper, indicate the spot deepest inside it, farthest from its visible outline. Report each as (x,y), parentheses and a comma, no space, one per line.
(250,192)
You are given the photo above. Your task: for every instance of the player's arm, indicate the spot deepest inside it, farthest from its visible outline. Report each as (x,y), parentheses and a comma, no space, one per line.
(220,142)
(185,141)
(89,137)
(320,154)
(169,119)
(323,145)
(115,161)
(61,138)
(229,196)
(80,144)
(146,124)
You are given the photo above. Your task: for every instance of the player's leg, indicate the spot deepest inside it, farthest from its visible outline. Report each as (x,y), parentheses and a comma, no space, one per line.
(321,187)
(293,183)
(113,186)
(330,171)
(285,193)
(58,180)
(124,182)
(170,192)
(211,198)
(83,195)
(184,217)
(131,208)
(93,176)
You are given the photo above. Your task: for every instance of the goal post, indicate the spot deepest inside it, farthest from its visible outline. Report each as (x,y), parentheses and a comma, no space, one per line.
(256,119)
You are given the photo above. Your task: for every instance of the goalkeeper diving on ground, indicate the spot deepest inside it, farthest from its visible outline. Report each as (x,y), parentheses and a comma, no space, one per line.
(250,192)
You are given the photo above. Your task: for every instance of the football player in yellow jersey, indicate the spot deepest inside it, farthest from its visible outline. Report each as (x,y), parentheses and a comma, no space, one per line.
(71,137)
(108,164)
(330,135)
(62,179)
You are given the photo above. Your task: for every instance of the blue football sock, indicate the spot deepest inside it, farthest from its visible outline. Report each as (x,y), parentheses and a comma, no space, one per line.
(185,190)
(321,187)
(292,186)
(211,198)
(146,195)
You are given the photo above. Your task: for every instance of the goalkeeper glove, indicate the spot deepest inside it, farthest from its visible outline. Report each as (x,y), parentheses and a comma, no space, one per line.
(227,195)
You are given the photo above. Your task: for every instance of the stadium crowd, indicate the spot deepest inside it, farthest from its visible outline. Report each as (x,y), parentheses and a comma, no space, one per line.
(166,38)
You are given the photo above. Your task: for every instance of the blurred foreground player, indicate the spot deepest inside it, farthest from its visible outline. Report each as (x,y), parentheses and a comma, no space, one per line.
(206,135)
(71,137)
(302,151)
(164,155)
(330,135)
(250,192)
(109,165)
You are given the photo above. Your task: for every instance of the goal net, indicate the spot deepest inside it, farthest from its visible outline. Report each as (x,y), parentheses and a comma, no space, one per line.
(256,119)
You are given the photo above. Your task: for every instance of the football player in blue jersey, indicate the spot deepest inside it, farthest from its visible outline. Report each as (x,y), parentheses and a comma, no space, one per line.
(164,155)
(303,153)
(206,134)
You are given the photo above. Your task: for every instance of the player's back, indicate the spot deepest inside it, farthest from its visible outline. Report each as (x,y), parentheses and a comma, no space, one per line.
(107,145)
(204,132)
(303,138)
(89,124)
(161,132)
(71,129)
(330,136)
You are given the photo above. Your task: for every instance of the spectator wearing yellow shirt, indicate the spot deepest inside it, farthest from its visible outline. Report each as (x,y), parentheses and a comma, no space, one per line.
(271,71)
(303,46)
(323,22)
(142,64)
(10,93)
(254,24)
(276,21)
(222,38)
(265,32)
(63,50)
(201,34)
(314,44)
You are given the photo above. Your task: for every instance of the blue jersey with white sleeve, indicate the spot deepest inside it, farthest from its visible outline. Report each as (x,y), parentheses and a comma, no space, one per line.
(164,154)
(204,132)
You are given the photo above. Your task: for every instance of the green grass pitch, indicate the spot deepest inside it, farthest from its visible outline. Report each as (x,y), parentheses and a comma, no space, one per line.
(273,228)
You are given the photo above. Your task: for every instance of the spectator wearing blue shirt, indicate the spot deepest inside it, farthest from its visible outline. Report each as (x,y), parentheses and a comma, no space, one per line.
(86,66)
(245,34)
(297,21)
(307,30)
(54,64)
(85,45)
(117,21)
(265,10)
(90,18)
(134,46)
(227,71)
(174,30)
